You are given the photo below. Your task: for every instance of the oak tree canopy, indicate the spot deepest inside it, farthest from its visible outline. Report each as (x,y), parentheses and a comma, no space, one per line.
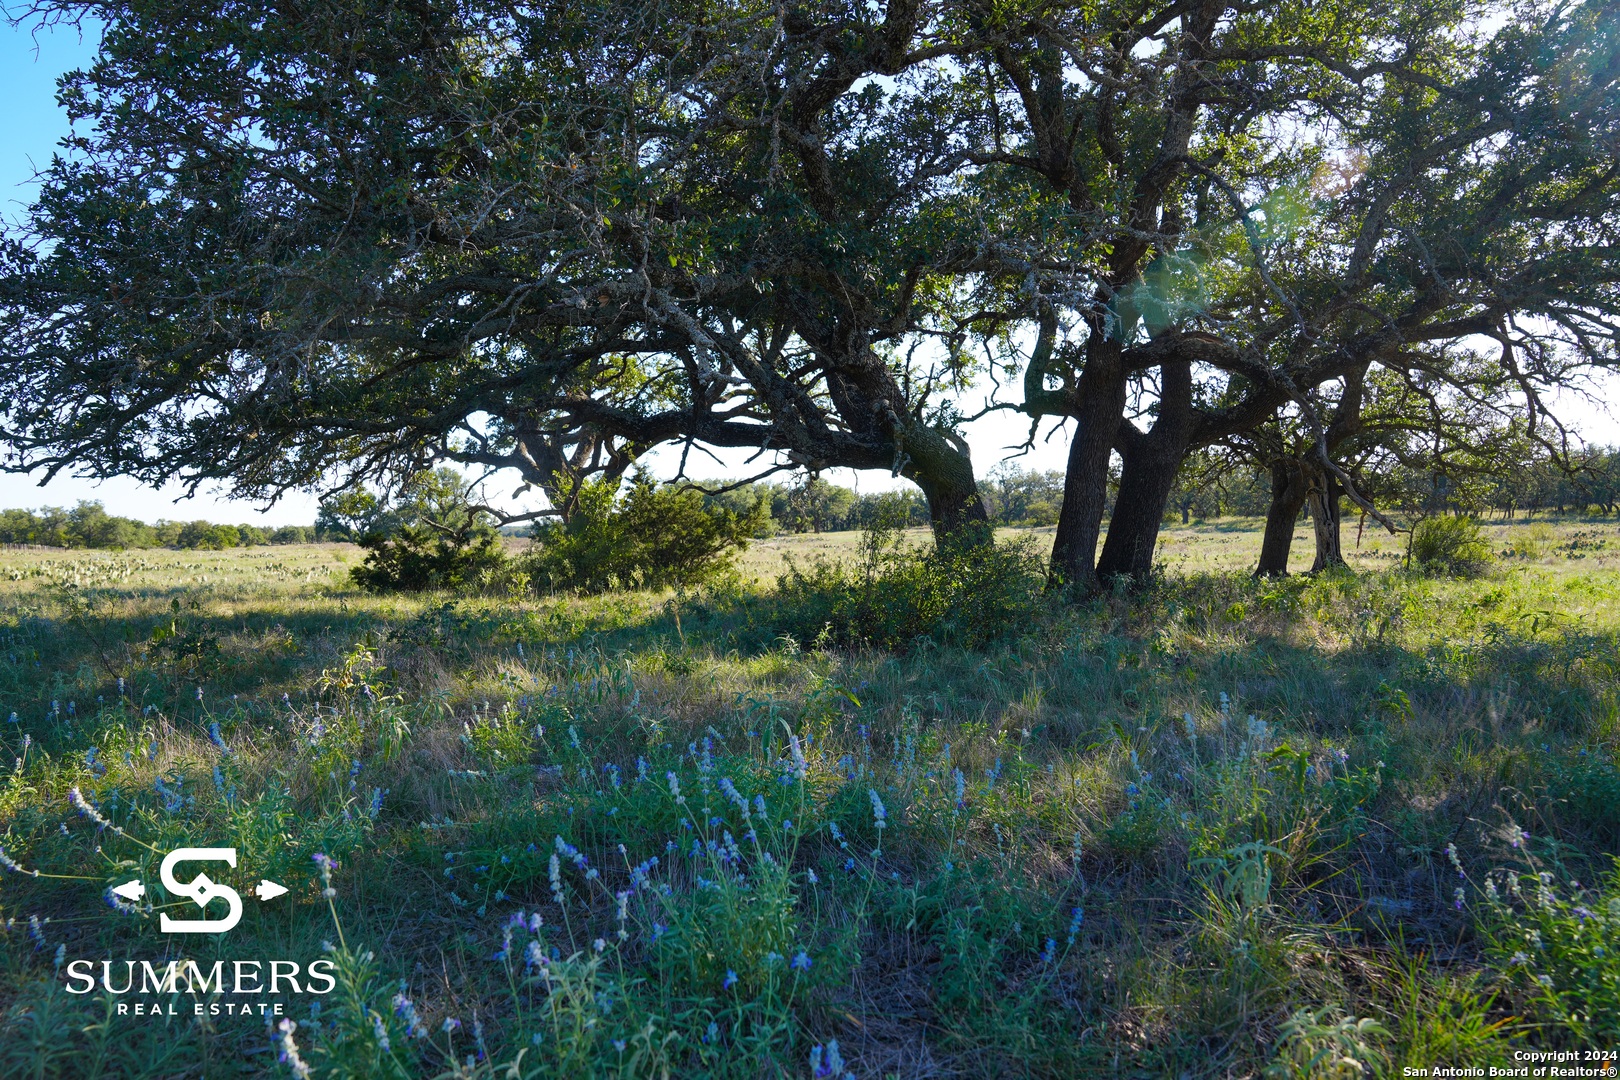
(292,243)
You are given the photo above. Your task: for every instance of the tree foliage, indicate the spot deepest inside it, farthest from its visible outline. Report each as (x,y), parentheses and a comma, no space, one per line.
(547,236)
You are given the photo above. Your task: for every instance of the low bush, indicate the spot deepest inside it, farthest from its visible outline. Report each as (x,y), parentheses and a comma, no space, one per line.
(651,537)
(434,539)
(421,557)
(1451,546)
(960,594)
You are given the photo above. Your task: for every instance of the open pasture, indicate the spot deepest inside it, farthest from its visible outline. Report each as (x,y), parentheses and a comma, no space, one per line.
(1214,829)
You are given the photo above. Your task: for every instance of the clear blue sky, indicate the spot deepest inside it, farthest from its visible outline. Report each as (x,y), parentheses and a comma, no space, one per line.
(30,125)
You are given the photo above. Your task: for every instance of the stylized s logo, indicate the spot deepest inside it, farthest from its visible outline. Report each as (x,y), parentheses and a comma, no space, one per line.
(201,890)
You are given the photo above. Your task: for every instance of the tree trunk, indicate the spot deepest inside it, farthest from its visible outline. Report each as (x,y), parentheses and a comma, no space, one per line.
(1152,460)
(1326,519)
(941,466)
(1287,497)
(1098,409)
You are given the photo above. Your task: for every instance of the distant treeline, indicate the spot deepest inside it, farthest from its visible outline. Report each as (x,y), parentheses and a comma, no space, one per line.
(1212,484)
(1012,496)
(88,525)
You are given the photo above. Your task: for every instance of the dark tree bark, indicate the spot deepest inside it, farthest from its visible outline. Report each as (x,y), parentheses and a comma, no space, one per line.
(1152,459)
(1097,409)
(940,465)
(1287,497)
(1326,519)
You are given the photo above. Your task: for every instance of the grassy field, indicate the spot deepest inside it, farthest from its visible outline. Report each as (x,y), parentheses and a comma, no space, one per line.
(1324,826)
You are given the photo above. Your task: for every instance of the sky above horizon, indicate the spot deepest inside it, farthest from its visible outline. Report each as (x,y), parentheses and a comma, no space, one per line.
(31,60)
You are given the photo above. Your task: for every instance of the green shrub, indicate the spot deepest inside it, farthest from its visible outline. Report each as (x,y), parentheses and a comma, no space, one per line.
(1451,546)
(469,556)
(433,539)
(653,537)
(962,594)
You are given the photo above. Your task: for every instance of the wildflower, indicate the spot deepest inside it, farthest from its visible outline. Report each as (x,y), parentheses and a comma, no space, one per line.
(800,766)
(36,931)
(729,981)
(379,1031)
(119,904)
(1457,899)
(216,738)
(1519,958)
(15,867)
(675,788)
(1456,863)
(76,797)
(599,945)
(801,961)
(1049,952)
(759,806)
(880,816)
(376,802)
(1545,980)
(556,879)
(199,693)
(658,931)
(1075,923)
(120,684)
(1190,724)
(814,880)
(618,1044)
(450,1024)
(324,862)
(825,1061)
(729,790)
(288,1054)
(961,788)
(534,956)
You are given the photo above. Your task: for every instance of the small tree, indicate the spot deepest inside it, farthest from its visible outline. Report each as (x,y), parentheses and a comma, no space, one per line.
(434,538)
(653,537)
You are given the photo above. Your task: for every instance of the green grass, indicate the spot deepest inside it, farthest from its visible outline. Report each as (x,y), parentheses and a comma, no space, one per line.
(1246,789)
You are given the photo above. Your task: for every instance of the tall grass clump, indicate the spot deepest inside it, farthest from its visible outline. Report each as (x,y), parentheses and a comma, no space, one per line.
(1450,545)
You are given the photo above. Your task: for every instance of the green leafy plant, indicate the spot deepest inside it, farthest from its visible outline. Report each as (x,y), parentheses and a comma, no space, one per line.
(1554,942)
(651,537)
(899,594)
(434,540)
